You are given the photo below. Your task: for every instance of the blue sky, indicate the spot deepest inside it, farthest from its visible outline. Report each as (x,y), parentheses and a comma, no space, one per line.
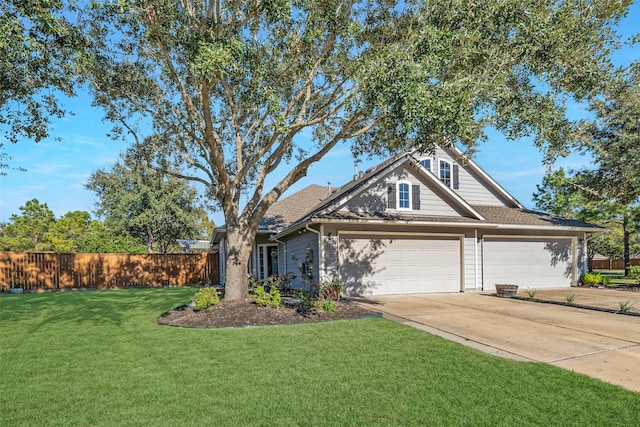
(57,170)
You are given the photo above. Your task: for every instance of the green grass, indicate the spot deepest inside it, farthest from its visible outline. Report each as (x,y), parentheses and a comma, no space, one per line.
(100,358)
(617,278)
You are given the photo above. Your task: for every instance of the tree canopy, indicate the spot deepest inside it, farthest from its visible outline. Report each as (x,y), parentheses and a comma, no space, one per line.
(36,229)
(243,97)
(608,191)
(565,194)
(146,204)
(36,67)
(28,230)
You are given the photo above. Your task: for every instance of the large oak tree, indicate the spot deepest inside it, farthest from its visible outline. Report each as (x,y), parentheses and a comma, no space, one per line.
(235,94)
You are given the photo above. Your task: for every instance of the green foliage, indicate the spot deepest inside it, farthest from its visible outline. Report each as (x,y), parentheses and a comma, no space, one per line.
(103,238)
(606,280)
(329,289)
(592,278)
(144,203)
(531,293)
(634,272)
(626,306)
(306,300)
(36,229)
(571,298)
(280,281)
(275,297)
(28,231)
(37,53)
(326,305)
(65,233)
(205,298)
(263,298)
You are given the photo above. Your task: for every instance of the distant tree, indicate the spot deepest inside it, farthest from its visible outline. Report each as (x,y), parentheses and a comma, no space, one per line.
(244,96)
(36,65)
(28,231)
(100,238)
(568,195)
(65,232)
(612,139)
(146,204)
(204,225)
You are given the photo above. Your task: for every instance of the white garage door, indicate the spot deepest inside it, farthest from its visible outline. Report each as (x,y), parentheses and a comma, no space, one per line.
(399,264)
(530,263)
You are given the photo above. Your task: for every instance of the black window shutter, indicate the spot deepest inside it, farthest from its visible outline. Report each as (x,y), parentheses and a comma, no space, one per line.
(456,177)
(391,197)
(415,191)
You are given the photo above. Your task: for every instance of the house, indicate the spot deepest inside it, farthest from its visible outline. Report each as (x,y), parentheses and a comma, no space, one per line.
(417,224)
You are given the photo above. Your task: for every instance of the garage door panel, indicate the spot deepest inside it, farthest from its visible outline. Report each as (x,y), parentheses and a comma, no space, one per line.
(399,264)
(532,263)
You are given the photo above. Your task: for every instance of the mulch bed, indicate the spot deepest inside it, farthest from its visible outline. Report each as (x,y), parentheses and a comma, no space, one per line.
(248,313)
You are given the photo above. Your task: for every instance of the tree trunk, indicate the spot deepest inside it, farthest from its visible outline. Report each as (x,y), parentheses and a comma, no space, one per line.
(239,245)
(627,256)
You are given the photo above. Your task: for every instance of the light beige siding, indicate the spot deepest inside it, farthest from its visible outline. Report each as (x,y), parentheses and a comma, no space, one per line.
(473,188)
(374,199)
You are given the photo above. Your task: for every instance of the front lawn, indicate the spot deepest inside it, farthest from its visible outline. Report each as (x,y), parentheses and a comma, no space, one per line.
(100,358)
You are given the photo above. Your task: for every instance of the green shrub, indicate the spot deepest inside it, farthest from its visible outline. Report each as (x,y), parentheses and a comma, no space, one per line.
(205,298)
(327,305)
(606,280)
(306,300)
(634,272)
(592,278)
(264,298)
(261,296)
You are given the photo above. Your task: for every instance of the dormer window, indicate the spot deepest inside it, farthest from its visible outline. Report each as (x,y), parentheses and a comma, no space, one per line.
(449,174)
(426,163)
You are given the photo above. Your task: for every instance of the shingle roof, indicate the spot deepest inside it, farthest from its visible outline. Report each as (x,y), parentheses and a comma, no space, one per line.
(493,215)
(314,203)
(516,216)
(284,212)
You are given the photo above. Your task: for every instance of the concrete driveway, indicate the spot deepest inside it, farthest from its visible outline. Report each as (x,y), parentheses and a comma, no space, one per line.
(603,345)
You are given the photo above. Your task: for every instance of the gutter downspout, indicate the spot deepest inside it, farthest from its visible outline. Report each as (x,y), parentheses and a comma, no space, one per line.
(320,248)
(475,256)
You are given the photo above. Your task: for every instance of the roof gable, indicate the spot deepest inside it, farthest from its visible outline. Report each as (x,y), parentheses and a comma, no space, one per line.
(430,195)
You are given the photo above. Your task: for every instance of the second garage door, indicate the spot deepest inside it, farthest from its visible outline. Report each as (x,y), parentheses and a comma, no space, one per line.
(528,262)
(399,264)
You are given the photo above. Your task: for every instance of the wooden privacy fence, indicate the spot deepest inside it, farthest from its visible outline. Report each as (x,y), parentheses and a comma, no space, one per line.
(36,270)
(611,264)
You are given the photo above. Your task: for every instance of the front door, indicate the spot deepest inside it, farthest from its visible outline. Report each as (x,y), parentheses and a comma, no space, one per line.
(267,261)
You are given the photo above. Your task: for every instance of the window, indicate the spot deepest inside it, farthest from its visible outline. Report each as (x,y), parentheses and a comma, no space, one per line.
(403,196)
(445,172)
(426,163)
